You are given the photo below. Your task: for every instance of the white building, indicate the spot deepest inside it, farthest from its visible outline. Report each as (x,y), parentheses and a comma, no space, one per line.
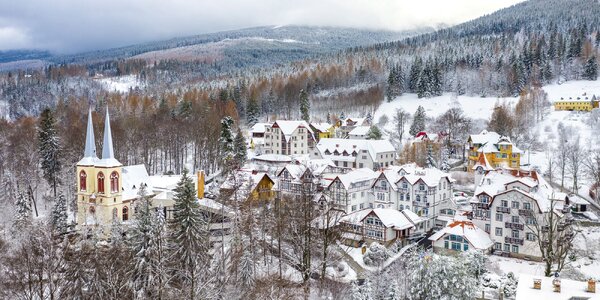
(257,137)
(351,191)
(459,236)
(372,154)
(289,138)
(507,204)
(359,133)
(425,191)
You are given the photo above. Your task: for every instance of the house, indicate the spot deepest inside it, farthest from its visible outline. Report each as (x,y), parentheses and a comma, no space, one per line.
(511,205)
(248,185)
(257,137)
(424,136)
(541,287)
(381,225)
(489,150)
(459,236)
(289,138)
(297,180)
(323,130)
(359,133)
(425,191)
(351,191)
(346,125)
(372,154)
(582,103)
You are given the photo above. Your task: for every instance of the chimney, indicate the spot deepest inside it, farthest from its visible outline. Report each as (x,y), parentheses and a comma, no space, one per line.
(537,283)
(591,288)
(200,184)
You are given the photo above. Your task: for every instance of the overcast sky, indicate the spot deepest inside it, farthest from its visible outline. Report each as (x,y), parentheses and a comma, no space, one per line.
(69,26)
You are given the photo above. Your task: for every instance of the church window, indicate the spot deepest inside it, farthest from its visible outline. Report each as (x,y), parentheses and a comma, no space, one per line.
(114,182)
(125,213)
(82,181)
(101,183)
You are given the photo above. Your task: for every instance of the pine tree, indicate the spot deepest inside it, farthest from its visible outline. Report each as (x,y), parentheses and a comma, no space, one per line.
(252,111)
(187,233)
(590,70)
(418,123)
(226,142)
(328,120)
(430,160)
(374,133)
(362,292)
(241,153)
(141,246)
(60,214)
(304,106)
(415,74)
(445,157)
(246,267)
(49,148)
(22,213)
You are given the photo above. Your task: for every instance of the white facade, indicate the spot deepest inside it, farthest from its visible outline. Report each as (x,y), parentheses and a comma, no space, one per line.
(288,138)
(345,153)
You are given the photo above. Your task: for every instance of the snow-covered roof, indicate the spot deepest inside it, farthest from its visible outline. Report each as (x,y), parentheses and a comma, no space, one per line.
(391,218)
(288,127)
(374,147)
(356,217)
(489,142)
(358,175)
(244,181)
(569,289)
(277,158)
(259,127)
(461,226)
(322,127)
(360,130)
(485,137)
(413,173)
(355,121)
(132,178)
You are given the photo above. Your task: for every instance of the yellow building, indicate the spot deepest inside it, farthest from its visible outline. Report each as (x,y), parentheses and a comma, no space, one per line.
(489,150)
(323,130)
(246,185)
(579,104)
(99,182)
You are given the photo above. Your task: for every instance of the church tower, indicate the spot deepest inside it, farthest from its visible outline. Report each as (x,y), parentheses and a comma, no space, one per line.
(99,182)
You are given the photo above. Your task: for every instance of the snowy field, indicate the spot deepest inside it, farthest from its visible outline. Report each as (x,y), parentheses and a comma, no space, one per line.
(121,84)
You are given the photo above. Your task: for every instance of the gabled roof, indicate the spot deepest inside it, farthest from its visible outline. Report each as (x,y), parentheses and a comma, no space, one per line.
(288,127)
(477,237)
(484,137)
(322,127)
(395,219)
(373,147)
(483,162)
(354,176)
(360,130)
(132,178)
(259,127)
(413,174)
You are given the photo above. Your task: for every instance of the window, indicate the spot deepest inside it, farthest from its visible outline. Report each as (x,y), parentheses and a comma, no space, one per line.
(504,203)
(498,231)
(499,217)
(418,198)
(506,247)
(487,228)
(446,245)
(353,207)
(125,213)
(515,234)
(114,182)
(515,204)
(92,210)
(421,187)
(101,183)
(530,236)
(527,205)
(515,219)
(515,249)
(404,185)
(497,246)
(465,247)
(82,181)
(530,221)
(361,206)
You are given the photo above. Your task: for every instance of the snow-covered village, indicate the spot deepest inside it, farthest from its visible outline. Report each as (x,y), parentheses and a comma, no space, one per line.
(377,151)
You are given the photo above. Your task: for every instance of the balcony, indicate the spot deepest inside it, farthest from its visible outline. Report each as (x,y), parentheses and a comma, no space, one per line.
(482,205)
(525,212)
(380,189)
(501,209)
(420,203)
(514,226)
(514,241)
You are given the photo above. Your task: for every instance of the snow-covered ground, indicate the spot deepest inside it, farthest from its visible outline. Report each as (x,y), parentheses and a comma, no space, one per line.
(121,84)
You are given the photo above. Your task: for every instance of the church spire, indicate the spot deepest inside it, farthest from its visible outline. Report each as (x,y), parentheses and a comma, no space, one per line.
(107,146)
(90,141)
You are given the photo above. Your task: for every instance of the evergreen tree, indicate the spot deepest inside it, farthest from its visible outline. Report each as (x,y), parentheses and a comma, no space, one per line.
(226,142)
(252,111)
(304,106)
(374,133)
(22,213)
(246,268)
(389,91)
(60,214)
(590,70)
(328,120)
(241,153)
(362,292)
(49,148)
(445,157)
(430,160)
(187,233)
(418,122)
(141,246)
(415,74)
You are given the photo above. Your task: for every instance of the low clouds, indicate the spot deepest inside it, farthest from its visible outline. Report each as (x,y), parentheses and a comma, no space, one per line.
(69,26)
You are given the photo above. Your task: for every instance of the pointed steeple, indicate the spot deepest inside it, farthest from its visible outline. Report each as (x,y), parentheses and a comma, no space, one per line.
(107,145)
(90,141)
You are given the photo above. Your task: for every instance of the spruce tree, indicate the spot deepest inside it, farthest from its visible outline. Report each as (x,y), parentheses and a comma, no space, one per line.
(389,91)
(418,122)
(241,153)
(226,142)
(22,212)
(60,214)
(374,133)
(252,111)
(430,160)
(141,246)
(49,148)
(304,106)
(590,70)
(415,73)
(187,234)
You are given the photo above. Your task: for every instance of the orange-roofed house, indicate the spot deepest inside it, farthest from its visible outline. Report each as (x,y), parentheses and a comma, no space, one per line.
(459,236)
